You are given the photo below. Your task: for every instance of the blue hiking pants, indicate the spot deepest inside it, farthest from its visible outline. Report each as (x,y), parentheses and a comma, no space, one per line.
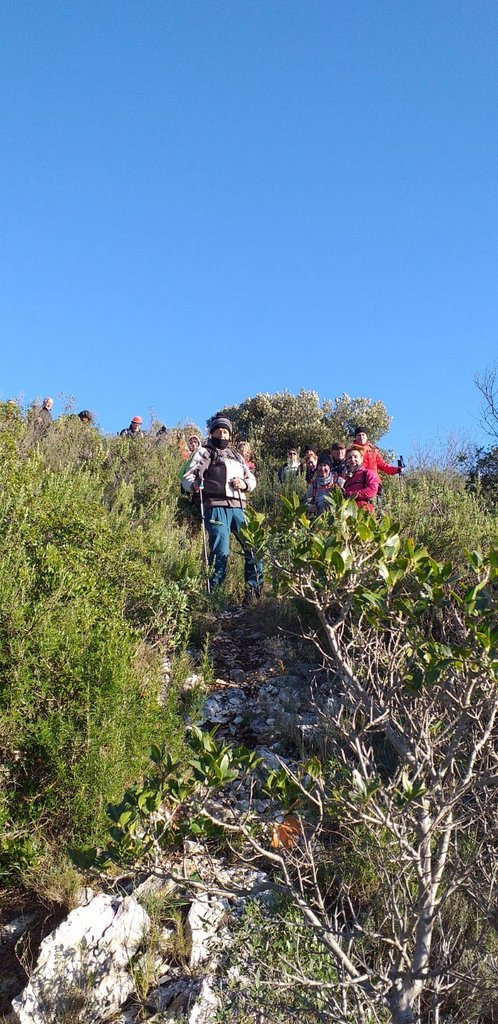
(220,523)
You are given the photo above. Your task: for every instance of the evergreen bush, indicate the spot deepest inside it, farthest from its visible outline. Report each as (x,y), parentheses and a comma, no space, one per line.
(92,563)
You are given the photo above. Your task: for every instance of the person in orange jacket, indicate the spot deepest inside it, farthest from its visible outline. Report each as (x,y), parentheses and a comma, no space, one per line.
(372,459)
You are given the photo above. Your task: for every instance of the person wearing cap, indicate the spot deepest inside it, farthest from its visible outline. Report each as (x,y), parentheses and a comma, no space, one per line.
(134,430)
(320,487)
(372,459)
(291,468)
(337,454)
(226,481)
(361,483)
(85,416)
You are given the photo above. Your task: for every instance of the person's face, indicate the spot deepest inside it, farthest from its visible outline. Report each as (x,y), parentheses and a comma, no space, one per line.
(193,444)
(361,438)
(292,455)
(354,460)
(135,427)
(311,457)
(338,453)
(221,434)
(48,403)
(323,469)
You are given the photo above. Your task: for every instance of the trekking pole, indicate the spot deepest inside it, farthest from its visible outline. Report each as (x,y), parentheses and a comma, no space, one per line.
(401,466)
(204,538)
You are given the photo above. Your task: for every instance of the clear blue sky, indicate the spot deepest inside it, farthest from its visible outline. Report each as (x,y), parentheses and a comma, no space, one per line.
(203,200)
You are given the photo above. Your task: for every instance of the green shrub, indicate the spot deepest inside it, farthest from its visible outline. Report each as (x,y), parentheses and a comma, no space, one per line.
(435,508)
(92,562)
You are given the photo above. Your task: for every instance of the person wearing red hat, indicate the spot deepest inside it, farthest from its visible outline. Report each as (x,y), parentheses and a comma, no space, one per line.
(134,430)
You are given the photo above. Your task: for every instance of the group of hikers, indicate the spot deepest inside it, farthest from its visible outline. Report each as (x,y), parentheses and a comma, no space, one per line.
(44,418)
(354,469)
(221,475)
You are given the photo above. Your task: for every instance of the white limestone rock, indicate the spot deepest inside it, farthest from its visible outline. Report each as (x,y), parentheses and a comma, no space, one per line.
(81,965)
(204,918)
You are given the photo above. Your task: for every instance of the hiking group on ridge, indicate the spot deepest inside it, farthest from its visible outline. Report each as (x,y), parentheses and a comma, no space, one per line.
(222,476)
(219,476)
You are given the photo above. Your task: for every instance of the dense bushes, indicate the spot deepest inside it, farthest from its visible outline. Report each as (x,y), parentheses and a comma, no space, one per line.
(436,509)
(92,562)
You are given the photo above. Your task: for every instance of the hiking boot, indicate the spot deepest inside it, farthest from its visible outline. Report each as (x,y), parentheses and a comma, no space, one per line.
(252,597)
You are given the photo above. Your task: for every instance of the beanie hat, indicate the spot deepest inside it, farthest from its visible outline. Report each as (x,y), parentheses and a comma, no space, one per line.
(360,430)
(219,421)
(324,460)
(137,419)
(85,414)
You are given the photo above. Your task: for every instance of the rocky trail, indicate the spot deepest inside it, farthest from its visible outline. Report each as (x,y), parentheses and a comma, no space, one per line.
(262,696)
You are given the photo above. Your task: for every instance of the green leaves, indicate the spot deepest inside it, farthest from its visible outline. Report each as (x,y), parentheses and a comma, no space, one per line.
(409,790)
(363,789)
(158,811)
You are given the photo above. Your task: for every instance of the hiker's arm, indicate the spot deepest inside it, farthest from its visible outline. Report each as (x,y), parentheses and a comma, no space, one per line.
(384,467)
(195,472)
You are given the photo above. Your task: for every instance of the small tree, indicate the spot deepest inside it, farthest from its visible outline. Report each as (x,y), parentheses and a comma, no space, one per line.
(487,384)
(282,420)
(483,475)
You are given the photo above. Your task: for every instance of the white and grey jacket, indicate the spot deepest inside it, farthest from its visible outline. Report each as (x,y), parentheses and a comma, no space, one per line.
(216,468)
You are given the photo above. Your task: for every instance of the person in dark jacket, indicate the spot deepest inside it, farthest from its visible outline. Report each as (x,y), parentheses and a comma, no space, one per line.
(309,464)
(45,416)
(134,430)
(41,417)
(290,470)
(338,454)
(226,481)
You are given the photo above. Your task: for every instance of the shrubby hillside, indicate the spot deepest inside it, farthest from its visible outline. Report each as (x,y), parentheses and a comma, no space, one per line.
(387,850)
(101,569)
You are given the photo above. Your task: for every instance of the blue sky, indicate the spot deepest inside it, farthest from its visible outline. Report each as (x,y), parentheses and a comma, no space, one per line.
(205,200)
